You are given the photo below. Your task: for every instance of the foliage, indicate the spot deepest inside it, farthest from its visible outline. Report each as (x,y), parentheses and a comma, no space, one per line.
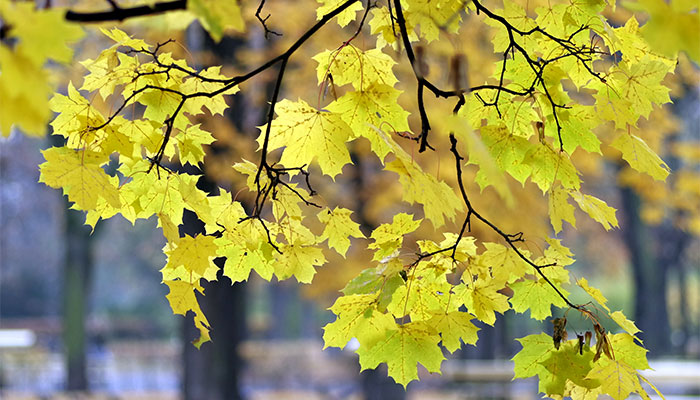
(566,81)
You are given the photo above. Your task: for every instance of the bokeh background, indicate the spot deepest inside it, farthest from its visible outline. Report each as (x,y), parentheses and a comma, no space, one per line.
(83,313)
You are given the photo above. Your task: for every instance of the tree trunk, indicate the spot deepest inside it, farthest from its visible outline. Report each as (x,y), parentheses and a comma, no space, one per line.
(213,371)
(650,278)
(376,384)
(77,271)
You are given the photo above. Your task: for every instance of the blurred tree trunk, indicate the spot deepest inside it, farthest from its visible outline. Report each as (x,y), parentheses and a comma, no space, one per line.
(78,264)
(77,272)
(649,275)
(213,372)
(376,384)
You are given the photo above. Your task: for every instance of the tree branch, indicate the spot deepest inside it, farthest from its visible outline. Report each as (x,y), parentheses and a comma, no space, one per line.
(120,14)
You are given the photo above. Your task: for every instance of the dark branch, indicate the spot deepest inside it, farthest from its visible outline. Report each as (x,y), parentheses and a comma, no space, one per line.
(263,21)
(120,14)
(510,239)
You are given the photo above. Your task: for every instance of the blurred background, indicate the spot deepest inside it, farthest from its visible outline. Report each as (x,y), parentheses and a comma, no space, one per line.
(83,313)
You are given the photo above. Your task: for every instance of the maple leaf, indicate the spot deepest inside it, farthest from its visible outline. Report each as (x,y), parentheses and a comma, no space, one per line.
(483,299)
(504,263)
(596,209)
(367,110)
(352,65)
(567,363)
(617,378)
(345,17)
(640,156)
(425,293)
(438,199)
(478,154)
(672,27)
(109,70)
(243,243)
(42,34)
(528,361)
(453,327)
(593,292)
(339,228)
(357,317)
(547,166)
(123,39)
(434,15)
(537,296)
(190,142)
(384,279)
(298,260)
(624,323)
(388,238)
(80,175)
(560,209)
(508,150)
(308,134)
(24,105)
(195,254)
(182,299)
(217,16)
(402,349)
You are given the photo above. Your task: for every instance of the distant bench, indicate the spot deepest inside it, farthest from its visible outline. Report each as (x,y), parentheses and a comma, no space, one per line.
(666,373)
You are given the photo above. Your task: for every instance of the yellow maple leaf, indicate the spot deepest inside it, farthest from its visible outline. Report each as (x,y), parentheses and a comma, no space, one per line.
(80,175)
(309,134)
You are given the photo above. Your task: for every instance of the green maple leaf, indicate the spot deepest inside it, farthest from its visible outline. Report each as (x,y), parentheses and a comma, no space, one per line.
(453,327)
(577,124)
(308,134)
(624,323)
(402,349)
(384,279)
(640,84)
(672,26)
(425,293)
(528,361)
(478,154)
(504,263)
(568,364)
(537,296)
(434,15)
